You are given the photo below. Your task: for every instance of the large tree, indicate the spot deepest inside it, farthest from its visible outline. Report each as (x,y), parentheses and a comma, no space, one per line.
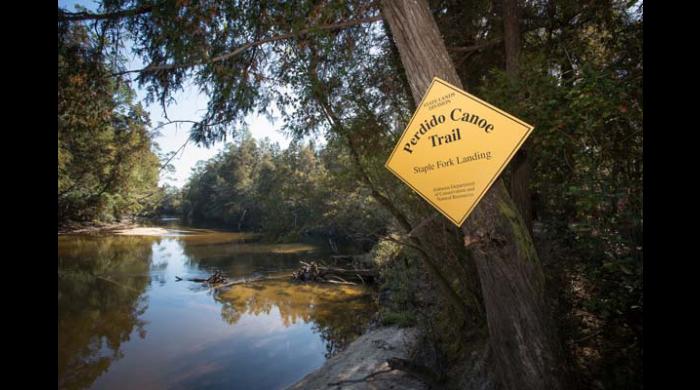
(520,167)
(521,333)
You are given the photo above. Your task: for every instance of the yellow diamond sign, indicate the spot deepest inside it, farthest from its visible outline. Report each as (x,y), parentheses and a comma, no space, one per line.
(454,148)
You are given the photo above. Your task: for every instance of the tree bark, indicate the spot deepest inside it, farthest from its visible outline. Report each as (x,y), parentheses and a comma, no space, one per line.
(519,186)
(526,353)
(511,37)
(520,165)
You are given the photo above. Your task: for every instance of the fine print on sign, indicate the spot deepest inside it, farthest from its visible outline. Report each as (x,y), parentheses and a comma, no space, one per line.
(454,148)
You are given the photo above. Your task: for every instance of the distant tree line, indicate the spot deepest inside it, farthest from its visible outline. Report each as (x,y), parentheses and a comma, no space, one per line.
(286,193)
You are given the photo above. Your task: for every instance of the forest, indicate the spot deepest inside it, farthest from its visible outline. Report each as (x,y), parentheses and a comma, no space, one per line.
(286,194)
(562,260)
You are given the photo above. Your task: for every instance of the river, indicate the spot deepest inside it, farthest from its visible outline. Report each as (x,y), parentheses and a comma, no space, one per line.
(125,322)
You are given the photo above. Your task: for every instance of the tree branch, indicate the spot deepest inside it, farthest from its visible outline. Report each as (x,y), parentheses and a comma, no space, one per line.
(80,16)
(475,47)
(180,149)
(486,43)
(178,121)
(241,49)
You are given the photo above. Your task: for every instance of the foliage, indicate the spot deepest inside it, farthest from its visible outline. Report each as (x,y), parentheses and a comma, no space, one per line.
(110,305)
(169,201)
(397,295)
(583,92)
(339,315)
(106,167)
(283,193)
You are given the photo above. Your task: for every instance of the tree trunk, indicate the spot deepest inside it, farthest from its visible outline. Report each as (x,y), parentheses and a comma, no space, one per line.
(520,165)
(526,353)
(511,37)
(519,186)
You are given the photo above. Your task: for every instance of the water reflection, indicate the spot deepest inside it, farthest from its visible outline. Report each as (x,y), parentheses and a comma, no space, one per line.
(338,313)
(99,308)
(125,323)
(242,258)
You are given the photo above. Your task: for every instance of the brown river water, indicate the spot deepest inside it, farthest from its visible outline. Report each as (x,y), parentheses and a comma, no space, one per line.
(126,323)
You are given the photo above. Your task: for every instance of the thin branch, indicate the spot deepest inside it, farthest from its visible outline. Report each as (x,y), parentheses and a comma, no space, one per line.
(464,59)
(484,44)
(181,148)
(178,121)
(475,47)
(420,225)
(241,49)
(79,16)
(174,122)
(403,243)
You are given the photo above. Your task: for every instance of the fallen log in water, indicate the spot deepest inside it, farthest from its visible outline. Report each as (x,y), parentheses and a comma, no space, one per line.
(216,278)
(255,279)
(309,272)
(314,272)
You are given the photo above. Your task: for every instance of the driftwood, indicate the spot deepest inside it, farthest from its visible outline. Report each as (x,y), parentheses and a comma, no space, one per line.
(309,272)
(216,278)
(254,279)
(314,272)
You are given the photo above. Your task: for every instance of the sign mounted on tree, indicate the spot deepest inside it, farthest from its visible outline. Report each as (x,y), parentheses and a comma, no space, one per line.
(454,148)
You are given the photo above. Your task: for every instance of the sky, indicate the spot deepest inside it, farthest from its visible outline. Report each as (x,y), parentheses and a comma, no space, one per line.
(190,105)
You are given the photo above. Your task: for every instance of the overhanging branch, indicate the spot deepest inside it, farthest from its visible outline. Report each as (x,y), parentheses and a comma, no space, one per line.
(241,49)
(80,16)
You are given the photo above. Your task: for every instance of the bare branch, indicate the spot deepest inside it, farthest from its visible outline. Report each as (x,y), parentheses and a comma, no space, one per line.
(178,121)
(180,149)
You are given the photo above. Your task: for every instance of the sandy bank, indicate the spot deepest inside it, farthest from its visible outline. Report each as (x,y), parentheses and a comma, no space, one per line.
(141,231)
(121,229)
(94,228)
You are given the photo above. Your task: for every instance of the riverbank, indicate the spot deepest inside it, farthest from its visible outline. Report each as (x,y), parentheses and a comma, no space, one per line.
(95,227)
(119,229)
(364,363)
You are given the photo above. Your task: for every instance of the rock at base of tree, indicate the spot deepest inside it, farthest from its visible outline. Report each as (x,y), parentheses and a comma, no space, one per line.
(365,364)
